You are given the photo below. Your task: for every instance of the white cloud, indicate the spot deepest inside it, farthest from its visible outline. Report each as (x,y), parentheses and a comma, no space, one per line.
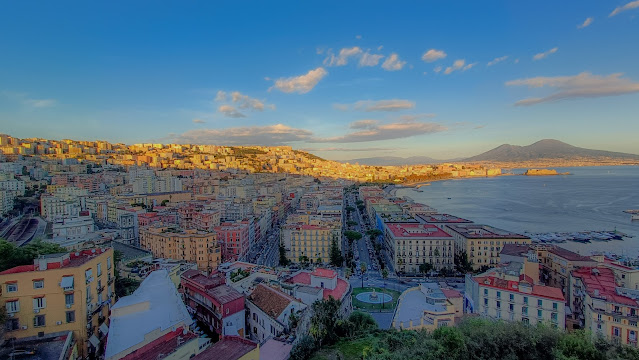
(342,58)
(629,6)
(198,121)
(586,23)
(221,96)
(583,85)
(433,55)
(376,132)
(300,84)
(437,69)
(246,102)
(458,64)
(497,60)
(348,149)
(378,105)
(270,135)
(40,103)
(230,111)
(358,37)
(393,63)
(379,48)
(369,59)
(469,66)
(545,54)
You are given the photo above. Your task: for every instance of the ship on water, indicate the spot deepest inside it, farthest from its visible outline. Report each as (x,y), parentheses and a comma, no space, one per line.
(634,214)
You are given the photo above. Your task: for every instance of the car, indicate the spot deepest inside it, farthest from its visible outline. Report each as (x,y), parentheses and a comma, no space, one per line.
(18,352)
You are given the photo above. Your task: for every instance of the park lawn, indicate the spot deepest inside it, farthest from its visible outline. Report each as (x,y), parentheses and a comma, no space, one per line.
(344,350)
(366,306)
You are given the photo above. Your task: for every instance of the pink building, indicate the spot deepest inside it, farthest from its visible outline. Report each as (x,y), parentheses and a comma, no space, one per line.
(235,240)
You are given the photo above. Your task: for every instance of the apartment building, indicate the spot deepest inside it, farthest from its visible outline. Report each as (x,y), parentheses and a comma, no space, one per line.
(411,244)
(61,293)
(507,294)
(234,238)
(270,311)
(213,302)
(309,242)
(602,307)
(556,265)
(198,247)
(482,243)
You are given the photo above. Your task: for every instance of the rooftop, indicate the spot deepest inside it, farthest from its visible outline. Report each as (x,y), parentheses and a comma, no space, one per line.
(414,302)
(413,230)
(162,346)
(515,286)
(441,219)
(275,350)
(569,255)
(477,231)
(229,348)
(269,300)
(224,294)
(304,278)
(600,283)
(326,273)
(57,261)
(515,249)
(155,305)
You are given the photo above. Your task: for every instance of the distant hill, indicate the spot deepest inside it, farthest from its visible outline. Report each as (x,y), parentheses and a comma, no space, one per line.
(545,149)
(393,161)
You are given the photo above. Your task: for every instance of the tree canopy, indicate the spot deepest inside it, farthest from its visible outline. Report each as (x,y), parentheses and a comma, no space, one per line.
(12,256)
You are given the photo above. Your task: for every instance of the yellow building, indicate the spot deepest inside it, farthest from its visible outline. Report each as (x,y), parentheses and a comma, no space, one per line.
(194,246)
(603,308)
(311,241)
(61,293)
(482,243)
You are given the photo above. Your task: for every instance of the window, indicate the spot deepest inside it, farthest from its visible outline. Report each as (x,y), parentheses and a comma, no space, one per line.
(498,294)
(99,269)
(512,297)
(511,307)
(598,317)
(38,284)
(39,321)
(39,303)
(68,299)
(13,324)
(526,300)
(616,331)
(540,314)
(486,292)
(70,316)
(13,306)
(88,275)
(12,287)
(498,304)
(553,317)
(109,263)
(539,303)
(524,310)
(555,306)
(486,302)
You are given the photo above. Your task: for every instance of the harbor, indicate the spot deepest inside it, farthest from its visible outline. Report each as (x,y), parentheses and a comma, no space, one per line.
(580,237)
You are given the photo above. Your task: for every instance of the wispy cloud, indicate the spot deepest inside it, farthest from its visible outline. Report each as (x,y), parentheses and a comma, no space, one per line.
(270,135)
(221,96)
(393,63)
(230,111)
(377,105)
(377,132)
(26,100)
(586,23)
(300,84)
(497,60)
(342,58)
(545,54)
(433,55)
(363,124)
(369,59)
(459,65)
(349,149)
(437,69)
(583,85)
(629,6)
(198,121)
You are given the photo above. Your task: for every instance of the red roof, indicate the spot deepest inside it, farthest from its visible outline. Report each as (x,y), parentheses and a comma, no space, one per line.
(514,286)
(603,281)
(414,230)
(326,273)
(18,269)
(163,345)
(57,261)
(450,293)
(304,278)
(229,348)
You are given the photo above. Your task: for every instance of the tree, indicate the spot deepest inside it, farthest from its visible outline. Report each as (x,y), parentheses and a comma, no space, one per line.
(303,260)
(385,275)
(374,233)
(362,268)
(462,264)
(164,202)
(352,236)
(425,268)
(283,260)
(351,223)
(336,255)
(12,256)
(349,209)
(325,315)
(318,260)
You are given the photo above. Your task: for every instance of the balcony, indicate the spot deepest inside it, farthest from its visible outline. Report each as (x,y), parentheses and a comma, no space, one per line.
(100,289)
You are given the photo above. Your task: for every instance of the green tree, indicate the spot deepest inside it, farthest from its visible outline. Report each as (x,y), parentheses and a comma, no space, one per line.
(362,268)
(11,256)
(374,233)
(164,202)
(462,264)
(351,223)
(335,254)
(323,321)
(385,275)
(283,260)
(352,236)
(350,209)
(425,267)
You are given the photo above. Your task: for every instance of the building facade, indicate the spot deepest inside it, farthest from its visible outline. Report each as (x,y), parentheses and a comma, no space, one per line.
(198,247)
(411,244)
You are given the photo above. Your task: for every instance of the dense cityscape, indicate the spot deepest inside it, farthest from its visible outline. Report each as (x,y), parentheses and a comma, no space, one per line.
(172,251)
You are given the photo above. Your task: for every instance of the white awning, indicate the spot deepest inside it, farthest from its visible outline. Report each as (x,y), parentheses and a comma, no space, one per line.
(67,282)
(94,341)
(104,328)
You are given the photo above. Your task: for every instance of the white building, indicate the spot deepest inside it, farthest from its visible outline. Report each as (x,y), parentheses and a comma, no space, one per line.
(270,311)
(502,293)
(73,227)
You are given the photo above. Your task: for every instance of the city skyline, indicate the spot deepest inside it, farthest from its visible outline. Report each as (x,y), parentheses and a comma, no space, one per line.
(378,80)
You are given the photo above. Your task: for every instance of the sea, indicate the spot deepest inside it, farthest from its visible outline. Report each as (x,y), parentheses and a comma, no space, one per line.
(589,199)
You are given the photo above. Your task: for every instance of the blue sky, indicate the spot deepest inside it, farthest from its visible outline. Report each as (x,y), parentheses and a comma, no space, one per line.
(340,79)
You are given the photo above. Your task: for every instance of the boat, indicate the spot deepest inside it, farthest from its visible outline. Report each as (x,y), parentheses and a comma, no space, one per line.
(634,214)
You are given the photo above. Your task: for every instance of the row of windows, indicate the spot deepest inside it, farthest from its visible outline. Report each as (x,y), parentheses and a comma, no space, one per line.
(511,297)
